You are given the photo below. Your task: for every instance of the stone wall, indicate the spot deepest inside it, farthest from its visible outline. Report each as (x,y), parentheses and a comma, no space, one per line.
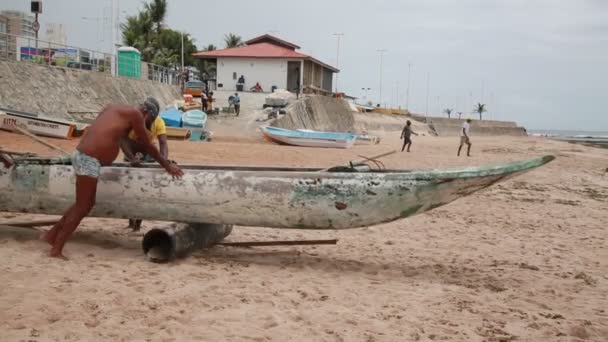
(70,93)
(452,127)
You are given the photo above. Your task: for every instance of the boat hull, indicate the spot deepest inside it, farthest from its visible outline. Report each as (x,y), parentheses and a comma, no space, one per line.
(269,197)
(308,138)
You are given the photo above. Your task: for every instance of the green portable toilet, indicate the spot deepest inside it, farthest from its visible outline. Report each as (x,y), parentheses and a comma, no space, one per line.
(129,62)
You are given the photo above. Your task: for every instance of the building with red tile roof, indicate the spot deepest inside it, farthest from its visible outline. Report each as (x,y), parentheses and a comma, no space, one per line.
(271,62)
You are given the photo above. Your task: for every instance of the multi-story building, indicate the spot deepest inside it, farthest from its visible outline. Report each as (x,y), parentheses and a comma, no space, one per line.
(3,35)
(19,23)
(55,33)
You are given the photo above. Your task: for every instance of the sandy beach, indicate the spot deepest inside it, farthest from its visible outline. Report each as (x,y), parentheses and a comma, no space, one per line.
(524,260)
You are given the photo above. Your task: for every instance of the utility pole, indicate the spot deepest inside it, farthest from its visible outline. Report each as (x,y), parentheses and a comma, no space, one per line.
(381,51)
(182,51)
(428,80)
(407,93)
(338,35)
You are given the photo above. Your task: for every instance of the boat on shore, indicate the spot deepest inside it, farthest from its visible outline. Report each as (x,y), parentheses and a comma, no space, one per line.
(41,125)
(309,138)
(279,197)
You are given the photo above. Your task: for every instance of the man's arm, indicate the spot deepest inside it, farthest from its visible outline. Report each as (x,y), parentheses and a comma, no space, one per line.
(403,132)
(138,124)
(464,131)
(163,145)
(126,149)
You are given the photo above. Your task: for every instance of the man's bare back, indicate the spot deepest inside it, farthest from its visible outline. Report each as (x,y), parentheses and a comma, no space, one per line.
(103,136)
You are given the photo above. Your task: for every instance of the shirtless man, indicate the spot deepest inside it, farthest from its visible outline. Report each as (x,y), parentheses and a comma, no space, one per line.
(99,147)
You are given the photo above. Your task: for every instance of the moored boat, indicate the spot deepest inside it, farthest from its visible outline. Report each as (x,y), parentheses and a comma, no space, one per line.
(309,138)
(250,196)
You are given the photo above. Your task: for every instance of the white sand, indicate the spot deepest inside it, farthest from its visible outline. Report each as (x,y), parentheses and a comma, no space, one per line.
(525,260)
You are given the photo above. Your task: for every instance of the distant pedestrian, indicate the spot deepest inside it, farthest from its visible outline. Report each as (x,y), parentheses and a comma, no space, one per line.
(204,101)
(236,100)
(464,137)
(406,135)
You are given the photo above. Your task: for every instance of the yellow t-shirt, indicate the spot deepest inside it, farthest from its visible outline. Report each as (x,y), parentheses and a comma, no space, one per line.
(157,128)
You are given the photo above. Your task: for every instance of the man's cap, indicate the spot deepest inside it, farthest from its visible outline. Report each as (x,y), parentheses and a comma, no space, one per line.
(469,119)
(152,106)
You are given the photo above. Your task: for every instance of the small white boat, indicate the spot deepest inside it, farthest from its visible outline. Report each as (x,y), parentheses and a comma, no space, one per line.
(309,138)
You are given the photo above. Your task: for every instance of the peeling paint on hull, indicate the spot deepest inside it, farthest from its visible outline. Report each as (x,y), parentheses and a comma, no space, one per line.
(268,197)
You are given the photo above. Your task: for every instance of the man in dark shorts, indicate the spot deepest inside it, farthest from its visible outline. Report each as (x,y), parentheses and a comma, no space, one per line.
(99,147)
(406,135)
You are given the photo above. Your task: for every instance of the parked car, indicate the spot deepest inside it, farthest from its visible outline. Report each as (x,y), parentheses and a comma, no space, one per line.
(194,88)
(78,65)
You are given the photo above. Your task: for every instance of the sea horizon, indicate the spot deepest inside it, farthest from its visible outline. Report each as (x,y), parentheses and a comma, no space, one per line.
(569,133)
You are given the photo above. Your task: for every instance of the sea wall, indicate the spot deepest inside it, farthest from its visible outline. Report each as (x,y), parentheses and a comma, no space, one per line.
(325,113)
(452,127)
(70,93)
(318,112)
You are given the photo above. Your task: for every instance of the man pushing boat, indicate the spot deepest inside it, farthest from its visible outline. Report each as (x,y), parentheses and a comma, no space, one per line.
(99,147)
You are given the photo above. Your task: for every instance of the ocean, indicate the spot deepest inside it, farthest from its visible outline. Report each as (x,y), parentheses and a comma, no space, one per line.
(569,134)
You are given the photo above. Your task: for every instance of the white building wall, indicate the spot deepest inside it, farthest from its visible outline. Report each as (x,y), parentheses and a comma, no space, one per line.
(267,71)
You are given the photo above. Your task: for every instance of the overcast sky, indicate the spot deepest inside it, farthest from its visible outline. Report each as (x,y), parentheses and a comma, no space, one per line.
(542,63)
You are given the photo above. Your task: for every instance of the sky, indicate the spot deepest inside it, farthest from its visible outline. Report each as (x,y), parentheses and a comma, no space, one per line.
(541,63)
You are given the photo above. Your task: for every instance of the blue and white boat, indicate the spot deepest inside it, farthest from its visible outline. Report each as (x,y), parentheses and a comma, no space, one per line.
(309,138)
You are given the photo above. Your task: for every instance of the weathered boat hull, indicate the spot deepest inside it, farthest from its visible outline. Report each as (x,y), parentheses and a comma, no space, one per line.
(270,197)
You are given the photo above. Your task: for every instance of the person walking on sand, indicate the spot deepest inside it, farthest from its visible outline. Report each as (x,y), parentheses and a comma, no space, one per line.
(406,135)
(236,100)
(464,137)
(99,147)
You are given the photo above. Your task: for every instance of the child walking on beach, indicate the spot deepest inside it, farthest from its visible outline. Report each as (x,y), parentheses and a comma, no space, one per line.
(406,135)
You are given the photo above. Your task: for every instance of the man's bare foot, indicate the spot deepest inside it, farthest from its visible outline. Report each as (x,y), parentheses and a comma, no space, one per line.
(58,255)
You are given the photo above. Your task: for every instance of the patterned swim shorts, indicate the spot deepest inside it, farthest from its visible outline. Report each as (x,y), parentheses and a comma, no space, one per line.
(85,165)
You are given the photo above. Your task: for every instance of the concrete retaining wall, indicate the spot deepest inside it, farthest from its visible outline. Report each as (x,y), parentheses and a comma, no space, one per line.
(73,94)
(452,127)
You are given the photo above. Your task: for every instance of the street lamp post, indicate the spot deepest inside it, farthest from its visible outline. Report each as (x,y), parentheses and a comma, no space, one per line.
(381,51)
(338,35)
(407,93)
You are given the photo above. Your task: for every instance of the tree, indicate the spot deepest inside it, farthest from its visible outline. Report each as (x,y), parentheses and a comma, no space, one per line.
(233,40)
(459,115)
(137,32)
(480,109)
(207,69)
(448,111)
(157,10)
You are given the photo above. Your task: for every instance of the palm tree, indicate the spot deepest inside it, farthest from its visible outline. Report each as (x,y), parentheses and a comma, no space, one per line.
(233,40)
(210,47)
(459,115)
(137,32)
(158,11)
(448,111)
(480,109)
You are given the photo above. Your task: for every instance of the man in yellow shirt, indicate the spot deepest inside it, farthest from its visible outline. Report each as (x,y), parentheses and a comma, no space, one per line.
(156,129)
(135,154)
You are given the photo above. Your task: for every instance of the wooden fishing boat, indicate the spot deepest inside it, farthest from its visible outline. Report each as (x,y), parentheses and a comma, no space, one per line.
(309,138)
(250,196)
(41,125)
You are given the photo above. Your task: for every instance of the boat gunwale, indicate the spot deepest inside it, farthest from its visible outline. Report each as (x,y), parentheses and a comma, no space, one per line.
(312,173)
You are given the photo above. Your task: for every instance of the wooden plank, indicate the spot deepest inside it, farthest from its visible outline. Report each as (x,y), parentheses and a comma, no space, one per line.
(4,226)
(39,140)
(279,243)
(24,224)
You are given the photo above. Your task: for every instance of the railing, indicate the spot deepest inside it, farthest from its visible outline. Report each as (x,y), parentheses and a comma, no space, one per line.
(29,49)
